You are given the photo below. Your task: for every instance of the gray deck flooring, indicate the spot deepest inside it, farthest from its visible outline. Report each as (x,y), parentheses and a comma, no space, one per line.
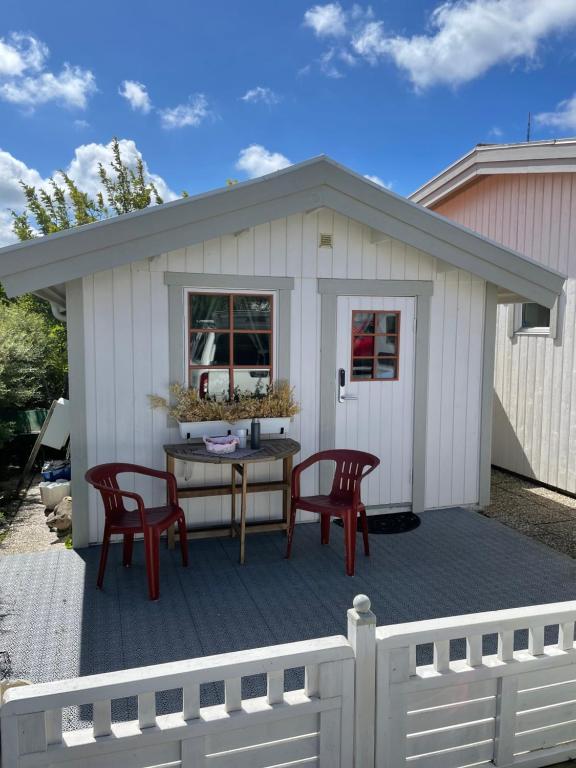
(55,624)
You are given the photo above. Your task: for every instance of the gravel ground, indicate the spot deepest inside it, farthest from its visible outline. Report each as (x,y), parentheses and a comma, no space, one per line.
(28,531)
(542,514)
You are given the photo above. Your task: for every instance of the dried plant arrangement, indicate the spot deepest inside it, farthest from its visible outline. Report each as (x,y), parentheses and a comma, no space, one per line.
(276,401)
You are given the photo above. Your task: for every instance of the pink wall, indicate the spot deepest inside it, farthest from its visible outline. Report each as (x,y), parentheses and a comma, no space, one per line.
(533,213)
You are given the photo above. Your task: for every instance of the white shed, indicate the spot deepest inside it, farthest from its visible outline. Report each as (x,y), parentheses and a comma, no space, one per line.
(322,243)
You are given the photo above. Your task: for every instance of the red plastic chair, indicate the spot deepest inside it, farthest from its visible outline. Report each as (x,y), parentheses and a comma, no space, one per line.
(151,521)
(343,500)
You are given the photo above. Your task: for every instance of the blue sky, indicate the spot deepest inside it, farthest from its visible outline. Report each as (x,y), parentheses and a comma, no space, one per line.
(397,90)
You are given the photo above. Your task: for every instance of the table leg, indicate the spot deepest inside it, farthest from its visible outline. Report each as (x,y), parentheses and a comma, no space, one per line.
(286,494)
(170,463)
(233,501)
(243,512)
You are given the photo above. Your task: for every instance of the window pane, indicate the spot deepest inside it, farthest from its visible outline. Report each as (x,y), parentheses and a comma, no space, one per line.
(209,311)
(209,348)
(362,368)
(385,345)
(385,368)
(386,322)
(252,348)
(535,316)
(253,313)
(363,322)
(363,345)
(251,381)
(210,383)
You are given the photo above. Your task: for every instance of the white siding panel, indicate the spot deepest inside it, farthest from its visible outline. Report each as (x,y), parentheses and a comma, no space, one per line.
(126,315)
(535,394)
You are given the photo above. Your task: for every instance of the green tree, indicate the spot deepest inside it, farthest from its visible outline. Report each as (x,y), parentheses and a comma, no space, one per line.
(64,205)
(33,361)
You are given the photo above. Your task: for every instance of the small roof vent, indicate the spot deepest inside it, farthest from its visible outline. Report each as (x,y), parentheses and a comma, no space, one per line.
(325,240)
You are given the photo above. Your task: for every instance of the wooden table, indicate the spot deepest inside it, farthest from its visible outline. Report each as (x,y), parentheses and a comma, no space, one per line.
(276,449)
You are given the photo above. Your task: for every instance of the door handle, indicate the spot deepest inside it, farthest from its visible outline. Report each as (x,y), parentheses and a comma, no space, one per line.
(342,396)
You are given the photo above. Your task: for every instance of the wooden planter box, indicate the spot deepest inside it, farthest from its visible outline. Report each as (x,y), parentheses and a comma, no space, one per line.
(191,429)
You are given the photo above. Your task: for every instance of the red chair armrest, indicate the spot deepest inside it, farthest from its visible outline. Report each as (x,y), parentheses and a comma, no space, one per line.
(297,471)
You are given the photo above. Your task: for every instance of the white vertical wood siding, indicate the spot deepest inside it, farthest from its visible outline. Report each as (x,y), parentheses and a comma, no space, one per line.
(126,320)
(535,377)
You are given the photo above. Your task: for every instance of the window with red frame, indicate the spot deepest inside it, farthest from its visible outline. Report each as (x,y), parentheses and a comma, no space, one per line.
(230,343)
(375,345)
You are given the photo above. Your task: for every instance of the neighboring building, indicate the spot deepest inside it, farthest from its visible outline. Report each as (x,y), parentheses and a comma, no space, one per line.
(337,259)
(524,196)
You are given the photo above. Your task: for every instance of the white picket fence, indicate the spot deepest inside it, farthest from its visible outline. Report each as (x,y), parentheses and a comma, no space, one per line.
(366,703)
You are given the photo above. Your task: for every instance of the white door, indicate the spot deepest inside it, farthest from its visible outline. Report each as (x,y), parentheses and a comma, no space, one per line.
(375,376)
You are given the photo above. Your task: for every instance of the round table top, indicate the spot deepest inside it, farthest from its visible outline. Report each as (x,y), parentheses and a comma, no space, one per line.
(270,450)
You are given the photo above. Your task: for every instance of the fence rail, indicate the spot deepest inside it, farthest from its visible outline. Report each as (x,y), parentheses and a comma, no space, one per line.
(496,688)
(507,708)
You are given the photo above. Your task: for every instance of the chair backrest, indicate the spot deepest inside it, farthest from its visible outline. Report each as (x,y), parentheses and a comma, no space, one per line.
(349,470)
(104,478)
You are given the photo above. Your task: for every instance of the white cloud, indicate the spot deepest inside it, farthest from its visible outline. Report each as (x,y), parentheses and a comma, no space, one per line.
(326,20)
(71,87)
(19,53)
(465,38)
(83,169)
(256,160)
(378,180)
(328,65)
(193,113)
(11,195)
(261,94)
(81,125)
(563,117)
(136,95)
(25,81)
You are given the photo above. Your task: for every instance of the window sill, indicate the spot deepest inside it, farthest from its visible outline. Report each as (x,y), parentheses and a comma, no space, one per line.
(533,332)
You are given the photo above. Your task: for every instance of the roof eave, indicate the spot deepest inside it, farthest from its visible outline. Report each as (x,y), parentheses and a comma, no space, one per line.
(317,183)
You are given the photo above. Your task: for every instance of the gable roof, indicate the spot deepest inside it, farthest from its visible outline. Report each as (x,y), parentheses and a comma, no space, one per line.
(556,156)
(320,182)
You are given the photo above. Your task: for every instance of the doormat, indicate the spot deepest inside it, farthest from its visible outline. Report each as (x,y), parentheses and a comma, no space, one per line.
(395,522)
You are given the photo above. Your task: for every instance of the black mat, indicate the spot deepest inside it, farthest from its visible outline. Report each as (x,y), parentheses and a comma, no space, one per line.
(392,522)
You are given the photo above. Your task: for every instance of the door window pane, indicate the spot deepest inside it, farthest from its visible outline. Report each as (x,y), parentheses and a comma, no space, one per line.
(385,368)
(209,348)
(535,316)
(253,313)
(363,346)
(208,310)
(363,322)
(386,322)
(385,345)
(362,368)
(251,349)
